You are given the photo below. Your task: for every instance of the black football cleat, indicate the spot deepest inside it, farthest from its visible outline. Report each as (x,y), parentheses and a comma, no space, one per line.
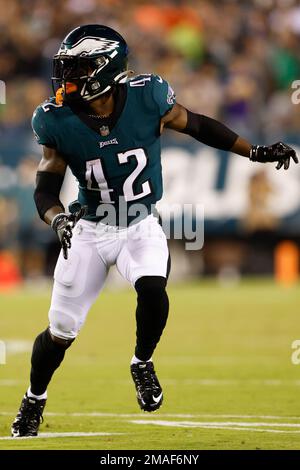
(29,417)
(148,390)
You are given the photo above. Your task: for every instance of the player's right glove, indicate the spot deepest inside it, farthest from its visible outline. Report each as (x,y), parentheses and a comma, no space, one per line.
(279,152)
(63,225)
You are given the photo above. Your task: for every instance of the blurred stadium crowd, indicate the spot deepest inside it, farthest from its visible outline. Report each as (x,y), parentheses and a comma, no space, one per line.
(233,60)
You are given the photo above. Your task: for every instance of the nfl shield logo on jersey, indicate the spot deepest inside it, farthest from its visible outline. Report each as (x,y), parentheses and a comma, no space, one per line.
(104,131)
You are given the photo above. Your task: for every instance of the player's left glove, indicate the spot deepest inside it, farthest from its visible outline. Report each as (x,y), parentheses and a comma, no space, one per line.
(279,152)
(63,225)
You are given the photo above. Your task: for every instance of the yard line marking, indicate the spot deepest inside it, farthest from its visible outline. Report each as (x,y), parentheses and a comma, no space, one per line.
(18,346)
(50,435)
(226,426)
(9,382)
(206,382)
(98,414)
(229,423)
(233,382)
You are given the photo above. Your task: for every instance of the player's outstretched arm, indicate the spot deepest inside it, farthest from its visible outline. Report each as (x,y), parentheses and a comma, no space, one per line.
(49,180)
(217,135)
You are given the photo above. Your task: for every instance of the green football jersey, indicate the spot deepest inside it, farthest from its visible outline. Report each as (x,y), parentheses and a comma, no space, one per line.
(121,170)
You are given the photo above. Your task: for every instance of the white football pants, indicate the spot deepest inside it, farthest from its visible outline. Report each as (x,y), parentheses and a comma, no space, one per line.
(140,250)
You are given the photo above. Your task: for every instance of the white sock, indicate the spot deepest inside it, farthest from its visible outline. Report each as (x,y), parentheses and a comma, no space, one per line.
(135,360)
(38,397)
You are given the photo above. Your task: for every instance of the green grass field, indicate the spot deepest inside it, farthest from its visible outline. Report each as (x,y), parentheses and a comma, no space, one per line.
(224,363)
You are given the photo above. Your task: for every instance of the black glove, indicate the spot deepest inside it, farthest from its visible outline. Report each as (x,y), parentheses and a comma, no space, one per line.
(279,152)
(63,225)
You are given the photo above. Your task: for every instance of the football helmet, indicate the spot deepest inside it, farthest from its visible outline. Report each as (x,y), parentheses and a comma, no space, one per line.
(91,59)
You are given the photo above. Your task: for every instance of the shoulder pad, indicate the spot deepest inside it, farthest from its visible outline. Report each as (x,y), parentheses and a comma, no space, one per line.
(157,93)
(43,123)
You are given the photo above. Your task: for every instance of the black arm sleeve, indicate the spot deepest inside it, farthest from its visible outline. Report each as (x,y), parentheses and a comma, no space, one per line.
(209,131)
(46,194)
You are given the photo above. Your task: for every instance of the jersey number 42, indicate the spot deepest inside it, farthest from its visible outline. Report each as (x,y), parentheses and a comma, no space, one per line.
(95,172)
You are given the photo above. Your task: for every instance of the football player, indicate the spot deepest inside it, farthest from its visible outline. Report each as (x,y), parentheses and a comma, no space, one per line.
(106,126)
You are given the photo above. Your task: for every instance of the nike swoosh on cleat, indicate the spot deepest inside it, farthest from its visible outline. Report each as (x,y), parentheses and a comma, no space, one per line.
(157,399)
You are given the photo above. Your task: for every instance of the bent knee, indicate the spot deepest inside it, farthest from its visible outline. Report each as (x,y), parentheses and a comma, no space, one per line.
(63,326)
(151,286)
(64,343)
